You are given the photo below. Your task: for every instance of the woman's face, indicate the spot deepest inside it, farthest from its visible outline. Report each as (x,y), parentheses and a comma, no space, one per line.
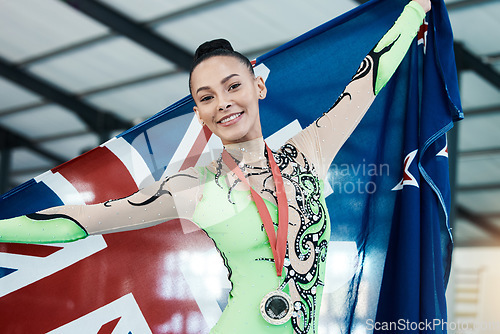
(227,98)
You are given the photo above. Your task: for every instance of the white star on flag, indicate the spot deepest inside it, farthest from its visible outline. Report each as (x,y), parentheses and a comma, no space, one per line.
(408,178)
(444,151)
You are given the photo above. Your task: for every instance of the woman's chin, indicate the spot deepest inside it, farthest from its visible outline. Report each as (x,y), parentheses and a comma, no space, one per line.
(232,139)
(236,137)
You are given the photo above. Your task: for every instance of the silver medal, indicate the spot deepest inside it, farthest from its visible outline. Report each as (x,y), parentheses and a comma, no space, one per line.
(276,307)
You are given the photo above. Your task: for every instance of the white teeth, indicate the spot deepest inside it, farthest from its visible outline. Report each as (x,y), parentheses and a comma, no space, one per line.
(225,120)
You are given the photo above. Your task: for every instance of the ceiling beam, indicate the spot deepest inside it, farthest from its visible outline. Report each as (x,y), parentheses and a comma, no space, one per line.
(479,187)
(482,111)
(5,166)
(22,108)
(162,19)
(63,49)
(138,33)
(479,221)
(492,215)
(124,83)
(190,10)
(479,152)
(97,120)
(478,243)
(29,171)
(68,135)
(492,58)
(83,94)
(466,60)
(9,139)
(466,3)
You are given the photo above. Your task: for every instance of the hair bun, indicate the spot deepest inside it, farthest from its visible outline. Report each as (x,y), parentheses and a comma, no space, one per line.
(211,46)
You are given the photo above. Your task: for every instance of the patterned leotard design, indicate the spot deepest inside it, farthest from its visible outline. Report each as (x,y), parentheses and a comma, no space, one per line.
(247,254)
(309,232)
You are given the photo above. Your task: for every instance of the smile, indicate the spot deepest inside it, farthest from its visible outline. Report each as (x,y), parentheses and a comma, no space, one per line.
(230,118)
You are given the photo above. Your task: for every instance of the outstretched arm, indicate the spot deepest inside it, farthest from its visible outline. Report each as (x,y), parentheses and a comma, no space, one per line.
(324,138)
(172,197)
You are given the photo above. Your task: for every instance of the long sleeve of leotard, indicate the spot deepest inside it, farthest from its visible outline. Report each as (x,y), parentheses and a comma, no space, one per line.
(321,140)
(169,198)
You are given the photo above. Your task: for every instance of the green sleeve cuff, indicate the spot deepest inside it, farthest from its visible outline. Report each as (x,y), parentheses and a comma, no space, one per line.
(416,6)
(401,36)
(25,229)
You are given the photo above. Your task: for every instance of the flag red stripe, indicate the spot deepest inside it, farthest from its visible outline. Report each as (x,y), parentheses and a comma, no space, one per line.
(108,328)
(100,174)
(197,149)
(29,250)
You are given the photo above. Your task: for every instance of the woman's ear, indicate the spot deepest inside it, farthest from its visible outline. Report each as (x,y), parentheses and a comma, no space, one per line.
(261,87)
(195,109)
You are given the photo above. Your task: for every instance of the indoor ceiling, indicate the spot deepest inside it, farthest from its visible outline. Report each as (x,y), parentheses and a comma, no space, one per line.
(75,73)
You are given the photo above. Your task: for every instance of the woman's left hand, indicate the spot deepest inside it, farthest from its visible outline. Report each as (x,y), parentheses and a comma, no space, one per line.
(426,4)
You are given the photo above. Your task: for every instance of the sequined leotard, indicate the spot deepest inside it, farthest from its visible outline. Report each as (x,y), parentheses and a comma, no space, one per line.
(220,204)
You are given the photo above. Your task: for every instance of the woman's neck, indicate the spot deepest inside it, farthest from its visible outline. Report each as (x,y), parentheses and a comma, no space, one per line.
(250,151)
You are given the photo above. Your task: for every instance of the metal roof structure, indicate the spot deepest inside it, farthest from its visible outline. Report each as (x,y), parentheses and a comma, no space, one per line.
(75,73)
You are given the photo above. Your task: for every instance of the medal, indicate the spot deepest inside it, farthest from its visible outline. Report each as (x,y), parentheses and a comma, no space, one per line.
(276,306)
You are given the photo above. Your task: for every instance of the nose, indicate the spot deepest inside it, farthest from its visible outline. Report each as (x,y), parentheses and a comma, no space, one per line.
(224,102)
(224,105)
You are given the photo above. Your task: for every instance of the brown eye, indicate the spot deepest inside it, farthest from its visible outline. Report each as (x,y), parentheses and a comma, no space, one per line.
(206,98)
(234,86)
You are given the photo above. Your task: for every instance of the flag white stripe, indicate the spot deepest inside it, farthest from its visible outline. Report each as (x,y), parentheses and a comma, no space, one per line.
(31,269)
(132,160)
(184,147)
(63,188)
(126,308)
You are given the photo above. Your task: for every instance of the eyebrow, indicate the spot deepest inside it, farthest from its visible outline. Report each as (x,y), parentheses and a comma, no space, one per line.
(223,81)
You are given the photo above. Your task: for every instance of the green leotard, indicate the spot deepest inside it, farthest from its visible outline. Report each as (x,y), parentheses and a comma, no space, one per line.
(230,218)
(213,198)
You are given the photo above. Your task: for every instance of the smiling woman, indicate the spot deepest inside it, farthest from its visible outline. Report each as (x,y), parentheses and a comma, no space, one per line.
(264,210)
(226,93)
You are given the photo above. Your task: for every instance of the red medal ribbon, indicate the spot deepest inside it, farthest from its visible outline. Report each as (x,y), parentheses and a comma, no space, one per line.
(278,245)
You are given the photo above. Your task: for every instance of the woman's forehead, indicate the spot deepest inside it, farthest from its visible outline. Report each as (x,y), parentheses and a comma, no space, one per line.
(214,69)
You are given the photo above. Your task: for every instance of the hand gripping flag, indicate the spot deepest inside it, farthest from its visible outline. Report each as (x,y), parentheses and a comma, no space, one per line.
(389,198)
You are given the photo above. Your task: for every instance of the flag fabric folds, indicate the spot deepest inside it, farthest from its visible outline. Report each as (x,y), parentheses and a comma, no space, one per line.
(389,199)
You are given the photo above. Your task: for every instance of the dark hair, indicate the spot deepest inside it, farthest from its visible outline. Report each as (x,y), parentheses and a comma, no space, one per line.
(217,47)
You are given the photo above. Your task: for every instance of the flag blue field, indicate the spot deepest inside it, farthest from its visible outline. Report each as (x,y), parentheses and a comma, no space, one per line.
(389,195)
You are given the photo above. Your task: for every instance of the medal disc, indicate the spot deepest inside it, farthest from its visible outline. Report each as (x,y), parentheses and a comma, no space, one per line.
(276,307)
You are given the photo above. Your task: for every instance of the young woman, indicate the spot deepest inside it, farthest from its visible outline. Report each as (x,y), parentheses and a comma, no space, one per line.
(265,211)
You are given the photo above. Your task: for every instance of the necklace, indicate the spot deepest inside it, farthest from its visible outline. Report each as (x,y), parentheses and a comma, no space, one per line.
(276,306)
